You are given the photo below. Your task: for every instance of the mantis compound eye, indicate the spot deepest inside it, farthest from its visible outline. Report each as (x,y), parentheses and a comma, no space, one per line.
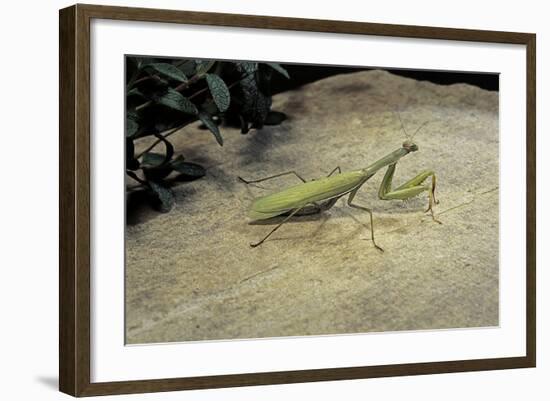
(410,146)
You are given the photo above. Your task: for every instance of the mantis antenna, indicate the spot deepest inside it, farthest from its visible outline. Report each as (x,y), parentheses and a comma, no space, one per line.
(402,125)
(418,129)
(410,138)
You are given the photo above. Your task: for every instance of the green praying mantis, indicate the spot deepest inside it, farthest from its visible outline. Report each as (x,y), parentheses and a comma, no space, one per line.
(317,196)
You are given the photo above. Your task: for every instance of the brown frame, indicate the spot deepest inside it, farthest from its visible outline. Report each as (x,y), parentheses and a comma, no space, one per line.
(74,200)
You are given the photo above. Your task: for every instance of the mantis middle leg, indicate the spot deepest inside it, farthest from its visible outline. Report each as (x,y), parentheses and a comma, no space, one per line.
(337,168)
(409,189)
(366,209)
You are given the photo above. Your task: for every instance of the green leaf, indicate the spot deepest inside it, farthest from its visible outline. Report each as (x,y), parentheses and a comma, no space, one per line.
(168,70)
(157,174)
(209,106)
(219,91)
(277,67)
(143,61)
(131,126)
(152,160)
(186,66)
(203,66)
(256,103)
(131,113)
(247,67)
(188,169)
(211,125)
(178,159)
(177,101)
(164,197)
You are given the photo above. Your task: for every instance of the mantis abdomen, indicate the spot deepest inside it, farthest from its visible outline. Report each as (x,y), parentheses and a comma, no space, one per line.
(308,193)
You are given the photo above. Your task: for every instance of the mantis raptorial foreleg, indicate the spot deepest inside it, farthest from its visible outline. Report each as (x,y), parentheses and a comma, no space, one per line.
(409,189)
(253,245)
(366,209)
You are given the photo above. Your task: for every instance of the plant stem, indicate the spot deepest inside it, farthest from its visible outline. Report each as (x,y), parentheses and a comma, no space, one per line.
(143,79)
(144,105)
(135,177)
(150,147)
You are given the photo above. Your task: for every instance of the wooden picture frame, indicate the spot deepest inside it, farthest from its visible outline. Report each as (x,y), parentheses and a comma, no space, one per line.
(74,204)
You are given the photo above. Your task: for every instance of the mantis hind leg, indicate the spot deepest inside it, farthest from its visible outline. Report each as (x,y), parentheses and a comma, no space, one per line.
(409,189)
(255,244)
(369,211)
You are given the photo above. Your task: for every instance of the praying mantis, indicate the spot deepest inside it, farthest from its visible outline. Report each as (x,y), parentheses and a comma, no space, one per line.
(317,196)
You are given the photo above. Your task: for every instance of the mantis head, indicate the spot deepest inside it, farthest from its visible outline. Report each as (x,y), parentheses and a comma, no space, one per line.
(410,146)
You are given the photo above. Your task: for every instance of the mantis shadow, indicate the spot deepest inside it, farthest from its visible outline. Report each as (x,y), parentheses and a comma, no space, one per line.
(294,219)
(323,217)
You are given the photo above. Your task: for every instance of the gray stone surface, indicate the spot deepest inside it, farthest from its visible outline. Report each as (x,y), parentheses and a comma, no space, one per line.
(191,274)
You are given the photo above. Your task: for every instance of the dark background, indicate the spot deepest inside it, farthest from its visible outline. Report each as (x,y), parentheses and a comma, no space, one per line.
(304,74)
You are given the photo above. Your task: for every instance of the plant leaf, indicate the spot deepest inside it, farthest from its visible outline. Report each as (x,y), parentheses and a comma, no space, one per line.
(157,174)
(164,197)
(219,91)
(152,160)
(211,125)
(168,70)
(143,61)
(277,67)
(203,66)
(188,169)
(178,159)
(187,66)
(177,101)
(247,67)
(256,103)
(131,126)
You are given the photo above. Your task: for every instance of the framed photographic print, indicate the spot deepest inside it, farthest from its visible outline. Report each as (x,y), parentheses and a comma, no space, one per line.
(251,200)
